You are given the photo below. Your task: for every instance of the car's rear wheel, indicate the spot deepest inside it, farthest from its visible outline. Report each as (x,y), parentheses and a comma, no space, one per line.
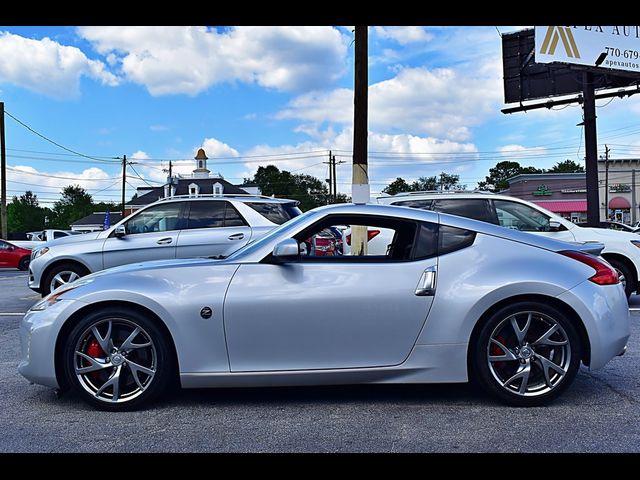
(526,354)
(117,359)
(625,275)
(61,275)
(24,263)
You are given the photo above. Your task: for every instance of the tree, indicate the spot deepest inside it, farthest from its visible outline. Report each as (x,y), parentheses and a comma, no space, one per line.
(450,182)
(25,214)
(310,191)
(74,204)
(399,185)
(568,166)
(496,181)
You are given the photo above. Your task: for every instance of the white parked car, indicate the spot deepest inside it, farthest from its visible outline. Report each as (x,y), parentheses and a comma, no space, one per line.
(621,249)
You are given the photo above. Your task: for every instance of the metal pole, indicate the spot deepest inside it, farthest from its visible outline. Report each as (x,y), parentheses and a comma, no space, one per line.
(360,192)
(606,182)
(591,150)
(633,197)
(124,180)
(3,172)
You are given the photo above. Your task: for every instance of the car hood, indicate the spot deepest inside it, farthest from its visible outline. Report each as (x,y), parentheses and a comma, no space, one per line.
(85,237)
(604,234)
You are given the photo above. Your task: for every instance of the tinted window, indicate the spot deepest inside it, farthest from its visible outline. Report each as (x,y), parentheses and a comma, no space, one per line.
(452,239)
(477,209)
(232,218)
(427,243)
(423,204)
(4,246)
(159,218)
(277,213)
(206,214)
(518,216)
(59,234)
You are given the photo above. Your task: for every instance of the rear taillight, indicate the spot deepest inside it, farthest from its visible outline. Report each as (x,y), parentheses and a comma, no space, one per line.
(371,234)
(605,274)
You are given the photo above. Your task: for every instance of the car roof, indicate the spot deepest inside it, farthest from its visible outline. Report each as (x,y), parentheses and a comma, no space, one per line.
(235,197)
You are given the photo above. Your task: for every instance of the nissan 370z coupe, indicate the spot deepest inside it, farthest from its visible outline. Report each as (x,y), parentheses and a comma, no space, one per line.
(451,300)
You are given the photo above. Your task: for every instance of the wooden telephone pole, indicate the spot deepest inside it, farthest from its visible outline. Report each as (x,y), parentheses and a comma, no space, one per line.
(360,174)
(3,172)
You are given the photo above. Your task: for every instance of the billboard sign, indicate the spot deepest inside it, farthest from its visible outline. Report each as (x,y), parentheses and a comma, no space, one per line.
(584,45)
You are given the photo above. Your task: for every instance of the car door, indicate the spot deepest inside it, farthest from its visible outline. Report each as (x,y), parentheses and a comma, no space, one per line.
(151,234)
(214,227)
(5,254)
(328,312)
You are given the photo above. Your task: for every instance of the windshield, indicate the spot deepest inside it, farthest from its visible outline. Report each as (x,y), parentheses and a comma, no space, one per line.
(251,247)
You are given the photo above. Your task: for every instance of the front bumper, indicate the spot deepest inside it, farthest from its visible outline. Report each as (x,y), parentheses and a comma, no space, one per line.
(38,334)
(604,310)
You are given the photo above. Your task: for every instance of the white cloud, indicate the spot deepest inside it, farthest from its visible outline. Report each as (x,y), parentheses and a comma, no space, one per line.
(139,155)
(46,67)
(520,153)
(404,35)
(215,148)
(171,60)
(439,102)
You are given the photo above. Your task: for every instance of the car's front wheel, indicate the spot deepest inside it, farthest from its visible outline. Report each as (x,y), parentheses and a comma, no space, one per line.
(24,264)
(118,359)
(61,275)
(625,275)
(526,354)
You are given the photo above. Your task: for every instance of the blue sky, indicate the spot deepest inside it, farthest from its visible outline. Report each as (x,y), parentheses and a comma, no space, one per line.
(255,96)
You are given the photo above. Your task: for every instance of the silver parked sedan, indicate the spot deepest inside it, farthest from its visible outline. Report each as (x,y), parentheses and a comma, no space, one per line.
(452,299)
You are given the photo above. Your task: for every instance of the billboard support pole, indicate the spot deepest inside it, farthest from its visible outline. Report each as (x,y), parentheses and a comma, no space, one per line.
(591,149)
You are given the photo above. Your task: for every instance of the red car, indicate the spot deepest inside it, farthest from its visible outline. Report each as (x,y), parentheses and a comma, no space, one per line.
(12,256)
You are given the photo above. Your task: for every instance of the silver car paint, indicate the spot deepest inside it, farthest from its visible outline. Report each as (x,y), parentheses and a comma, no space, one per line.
(469,281)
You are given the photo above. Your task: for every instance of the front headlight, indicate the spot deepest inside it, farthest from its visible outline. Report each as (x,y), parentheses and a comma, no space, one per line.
(39,252)
(50,299)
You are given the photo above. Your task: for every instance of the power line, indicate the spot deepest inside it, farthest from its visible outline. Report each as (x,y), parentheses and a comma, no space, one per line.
(52,141)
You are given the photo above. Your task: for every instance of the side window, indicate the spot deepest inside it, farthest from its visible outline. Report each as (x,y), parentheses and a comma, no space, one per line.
(232,218)
(159,218)
(422,204)
(476,209)
(4,246)
(427,243)
(518,216)
(59,235)
(206,214)
(453,238)
(330,239)
(277,213)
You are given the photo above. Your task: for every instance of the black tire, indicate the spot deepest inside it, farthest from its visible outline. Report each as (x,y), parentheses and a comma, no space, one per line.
(163,361)
(489,377)
(45,286)
(24,263)
(629,276)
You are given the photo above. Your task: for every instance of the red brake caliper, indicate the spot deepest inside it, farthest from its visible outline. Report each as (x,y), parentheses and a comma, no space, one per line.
(496,351)
(94,350)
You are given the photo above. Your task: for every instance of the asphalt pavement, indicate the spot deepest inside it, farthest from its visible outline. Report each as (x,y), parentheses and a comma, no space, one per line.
(599,413)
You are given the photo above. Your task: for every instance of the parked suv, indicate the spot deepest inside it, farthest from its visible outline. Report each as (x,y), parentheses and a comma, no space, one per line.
(621,249)
(175,227)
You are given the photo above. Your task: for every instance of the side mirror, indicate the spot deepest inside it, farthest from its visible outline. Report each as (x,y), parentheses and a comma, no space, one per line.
(120,231)
(11,248)
(286,249)
(554,226)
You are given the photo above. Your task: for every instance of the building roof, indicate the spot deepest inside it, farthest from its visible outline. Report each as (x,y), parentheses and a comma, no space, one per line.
(182,188)
(97,218)
(523,177)
(563,206)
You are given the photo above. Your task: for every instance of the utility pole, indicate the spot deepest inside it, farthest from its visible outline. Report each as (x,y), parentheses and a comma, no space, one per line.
(360,173)
(335,180)
(330,179)
(606,182)
(3,172)
(124,180)
(591,150)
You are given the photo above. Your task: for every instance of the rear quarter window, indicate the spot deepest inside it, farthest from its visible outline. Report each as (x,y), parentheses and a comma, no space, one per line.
(277,213)
(476,209)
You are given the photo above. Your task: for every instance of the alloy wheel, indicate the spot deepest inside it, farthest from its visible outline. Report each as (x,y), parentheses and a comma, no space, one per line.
(115,360)
(62,278)
(529,353)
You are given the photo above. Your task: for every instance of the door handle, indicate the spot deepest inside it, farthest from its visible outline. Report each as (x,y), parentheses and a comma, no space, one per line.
(236,236)
(427,284)
(165,241)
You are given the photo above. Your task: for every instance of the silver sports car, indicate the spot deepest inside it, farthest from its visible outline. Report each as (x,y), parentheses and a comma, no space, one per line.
(451,300)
